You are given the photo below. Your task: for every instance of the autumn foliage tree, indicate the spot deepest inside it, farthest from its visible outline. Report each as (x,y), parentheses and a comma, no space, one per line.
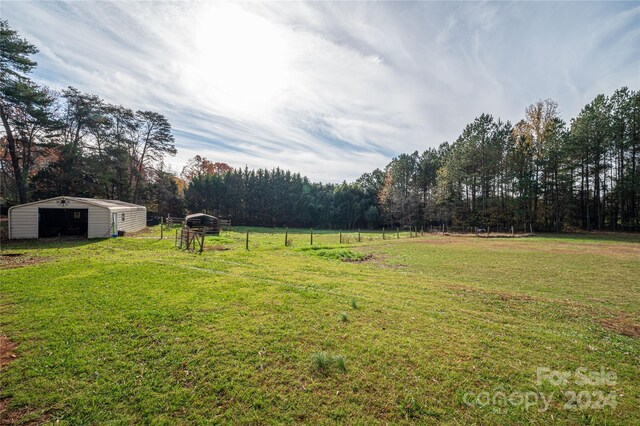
(199,166)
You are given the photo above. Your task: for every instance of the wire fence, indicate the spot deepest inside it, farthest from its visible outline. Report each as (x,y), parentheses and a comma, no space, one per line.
(269,238)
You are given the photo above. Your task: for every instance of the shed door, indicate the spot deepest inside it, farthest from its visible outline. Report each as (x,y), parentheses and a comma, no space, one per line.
(62,222)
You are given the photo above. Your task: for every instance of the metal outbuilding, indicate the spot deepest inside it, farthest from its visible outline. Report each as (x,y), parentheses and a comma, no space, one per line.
(210,224)
(74,216)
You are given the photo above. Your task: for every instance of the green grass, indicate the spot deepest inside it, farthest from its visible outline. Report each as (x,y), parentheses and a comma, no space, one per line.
(133,330)
(338,253)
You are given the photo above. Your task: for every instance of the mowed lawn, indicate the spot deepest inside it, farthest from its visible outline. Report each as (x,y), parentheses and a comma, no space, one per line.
(133,330)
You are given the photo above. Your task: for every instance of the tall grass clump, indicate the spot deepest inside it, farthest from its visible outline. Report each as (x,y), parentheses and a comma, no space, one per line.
(324,363)
(321,362)
(339,362)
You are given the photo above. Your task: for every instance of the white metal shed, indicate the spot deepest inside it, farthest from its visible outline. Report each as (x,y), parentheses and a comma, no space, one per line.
(64,216)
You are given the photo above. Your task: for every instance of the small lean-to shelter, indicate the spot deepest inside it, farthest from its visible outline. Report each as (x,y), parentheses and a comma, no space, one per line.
(210,224)
(75,216)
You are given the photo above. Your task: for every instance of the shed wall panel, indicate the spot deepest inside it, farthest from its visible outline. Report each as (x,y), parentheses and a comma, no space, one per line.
(23,222)
(135,219)
(99,222)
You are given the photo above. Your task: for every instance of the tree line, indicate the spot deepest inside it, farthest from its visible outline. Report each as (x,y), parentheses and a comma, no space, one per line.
(281,198)
(74,143)
(540,173)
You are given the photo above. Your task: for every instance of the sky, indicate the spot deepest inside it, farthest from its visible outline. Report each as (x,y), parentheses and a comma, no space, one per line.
(330,90)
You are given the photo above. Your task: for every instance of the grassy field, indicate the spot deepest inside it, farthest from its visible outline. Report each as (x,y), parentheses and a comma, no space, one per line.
(429,329)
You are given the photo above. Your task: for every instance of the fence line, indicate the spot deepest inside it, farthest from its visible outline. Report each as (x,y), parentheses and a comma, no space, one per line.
(191,239)
(357,235)
(194,239)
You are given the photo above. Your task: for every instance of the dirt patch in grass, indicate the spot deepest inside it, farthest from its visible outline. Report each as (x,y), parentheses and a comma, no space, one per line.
(18,260)
(507,296)
(382,261)
(616,321)
(216,248)
(518,297)
(6,350)
(8,417)
(618,250)
(622,324)
(493,235)
(464,291)
(20,416)
(501,242)
(364,258)
(378,259)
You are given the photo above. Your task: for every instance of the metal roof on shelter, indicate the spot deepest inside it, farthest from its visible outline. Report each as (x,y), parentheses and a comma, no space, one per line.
(105,203)
(92,201)
(199,215)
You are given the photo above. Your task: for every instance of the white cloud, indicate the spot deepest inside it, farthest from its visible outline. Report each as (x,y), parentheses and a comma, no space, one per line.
(330,89)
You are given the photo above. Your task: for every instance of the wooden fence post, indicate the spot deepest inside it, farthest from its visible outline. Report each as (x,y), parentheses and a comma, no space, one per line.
(341,236)
(176,241)
(311,236)
(202,242)
(383,232)
(161,227)
(247,241)
(397,232)
(359,240)
(512,231)
(286,236)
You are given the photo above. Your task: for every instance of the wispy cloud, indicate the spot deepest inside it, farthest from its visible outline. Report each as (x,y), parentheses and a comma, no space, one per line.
(330,89)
